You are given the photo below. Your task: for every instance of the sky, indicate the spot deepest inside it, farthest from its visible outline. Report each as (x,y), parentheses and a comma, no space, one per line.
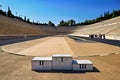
(57,10)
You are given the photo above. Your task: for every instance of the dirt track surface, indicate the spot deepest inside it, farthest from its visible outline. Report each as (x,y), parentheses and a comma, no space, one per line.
(52,45)
(85,47)
(14,67)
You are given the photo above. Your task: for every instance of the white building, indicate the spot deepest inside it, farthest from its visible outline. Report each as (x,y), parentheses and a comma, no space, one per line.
(82,65)
(42,63)
(60,62)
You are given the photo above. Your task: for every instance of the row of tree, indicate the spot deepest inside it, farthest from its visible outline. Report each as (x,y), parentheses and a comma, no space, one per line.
(27,20)
(107,15)
(67,23)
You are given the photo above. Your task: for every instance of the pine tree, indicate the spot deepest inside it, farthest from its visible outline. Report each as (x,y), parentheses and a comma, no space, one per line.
(25,19)
(28,21)
(51,24)
(2,13)
(9,13)
(62,23)
(71,22)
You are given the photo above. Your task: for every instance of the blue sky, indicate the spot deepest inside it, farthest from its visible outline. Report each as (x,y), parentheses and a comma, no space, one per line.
(57,10)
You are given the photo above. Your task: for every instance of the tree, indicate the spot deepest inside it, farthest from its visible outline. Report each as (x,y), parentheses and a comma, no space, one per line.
(25,19)
(28,21)
(71,22)
(51,23)
(67,23)
(9,13)
(2,13)
(101,17)
(61,23)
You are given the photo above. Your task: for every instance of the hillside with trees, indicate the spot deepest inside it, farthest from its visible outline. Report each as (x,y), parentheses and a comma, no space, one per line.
(106,16)
(16,25)
(9,13)
(12,24)
(71,22)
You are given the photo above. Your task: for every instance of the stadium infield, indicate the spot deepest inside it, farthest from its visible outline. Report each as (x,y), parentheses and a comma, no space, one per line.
(52,45)
(18,67)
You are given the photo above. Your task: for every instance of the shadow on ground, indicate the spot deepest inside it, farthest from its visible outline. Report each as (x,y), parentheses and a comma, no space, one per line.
(68,72)
(77,39)
(106,41)
(20,39)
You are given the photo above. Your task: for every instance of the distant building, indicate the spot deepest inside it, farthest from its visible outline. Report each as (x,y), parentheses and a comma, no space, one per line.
(60,62)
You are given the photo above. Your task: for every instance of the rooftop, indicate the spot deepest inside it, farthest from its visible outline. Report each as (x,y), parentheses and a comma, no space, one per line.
(62,55)
(82,62)
(42,58)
